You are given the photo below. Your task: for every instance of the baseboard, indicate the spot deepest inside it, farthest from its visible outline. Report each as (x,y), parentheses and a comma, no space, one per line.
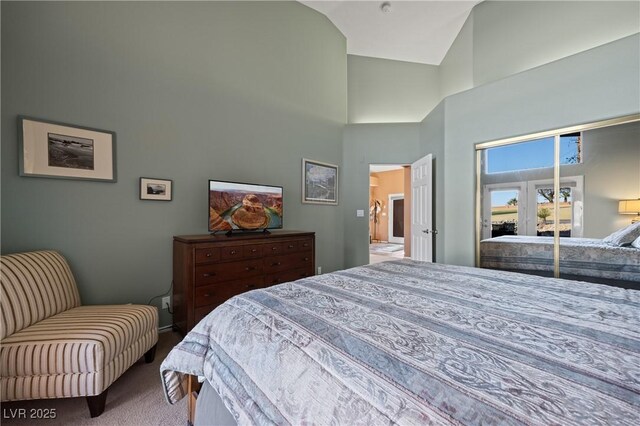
(165,328)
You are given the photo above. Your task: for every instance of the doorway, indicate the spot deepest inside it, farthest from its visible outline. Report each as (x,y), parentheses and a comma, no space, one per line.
(396,218)
(389,214)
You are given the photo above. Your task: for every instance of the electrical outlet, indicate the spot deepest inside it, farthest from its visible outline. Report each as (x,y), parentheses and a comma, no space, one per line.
(166,302)
(319,270)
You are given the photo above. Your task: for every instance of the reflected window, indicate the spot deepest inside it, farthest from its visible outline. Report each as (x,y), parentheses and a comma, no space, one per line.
(545,212)
(504,213)
(537,154)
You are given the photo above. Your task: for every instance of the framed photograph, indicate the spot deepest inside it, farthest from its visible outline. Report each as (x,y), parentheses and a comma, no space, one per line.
(65,151)
(156,189)
(319,183)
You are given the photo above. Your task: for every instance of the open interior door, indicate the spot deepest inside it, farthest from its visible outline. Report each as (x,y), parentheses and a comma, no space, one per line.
(421,210)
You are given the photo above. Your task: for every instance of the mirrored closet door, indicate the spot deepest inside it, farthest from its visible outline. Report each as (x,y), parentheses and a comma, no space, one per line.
(561,203)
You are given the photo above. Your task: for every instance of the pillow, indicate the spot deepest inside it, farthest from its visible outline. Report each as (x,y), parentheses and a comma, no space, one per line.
(636,243)
(624,236)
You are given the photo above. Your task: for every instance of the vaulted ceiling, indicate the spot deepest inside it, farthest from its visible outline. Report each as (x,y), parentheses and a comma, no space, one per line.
(413,31)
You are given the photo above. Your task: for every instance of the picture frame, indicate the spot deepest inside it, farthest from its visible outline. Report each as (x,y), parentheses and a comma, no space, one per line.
(319,182)
(58,150)
(156,189)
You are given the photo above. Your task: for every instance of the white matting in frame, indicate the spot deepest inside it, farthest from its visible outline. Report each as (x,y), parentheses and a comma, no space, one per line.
(319,182)
(156,189)
(65,151)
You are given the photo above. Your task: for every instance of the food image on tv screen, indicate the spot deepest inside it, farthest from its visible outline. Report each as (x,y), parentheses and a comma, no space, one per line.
(244,206)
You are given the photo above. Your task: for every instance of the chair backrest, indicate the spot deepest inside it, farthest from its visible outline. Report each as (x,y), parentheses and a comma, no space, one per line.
(35,286)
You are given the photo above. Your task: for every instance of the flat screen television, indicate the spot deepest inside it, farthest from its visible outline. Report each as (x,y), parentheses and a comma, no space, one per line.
(244,207)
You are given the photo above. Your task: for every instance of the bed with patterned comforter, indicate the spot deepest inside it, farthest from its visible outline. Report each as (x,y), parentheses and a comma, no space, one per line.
(582,257)
(417,343)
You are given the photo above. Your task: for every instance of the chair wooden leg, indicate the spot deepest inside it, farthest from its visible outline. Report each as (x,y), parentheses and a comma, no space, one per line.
(150,354)
(96,403)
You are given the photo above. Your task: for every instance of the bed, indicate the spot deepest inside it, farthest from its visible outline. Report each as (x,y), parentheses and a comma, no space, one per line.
(579,257)
(417,343)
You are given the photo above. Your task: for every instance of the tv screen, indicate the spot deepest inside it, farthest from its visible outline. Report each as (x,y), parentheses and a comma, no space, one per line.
(244,206)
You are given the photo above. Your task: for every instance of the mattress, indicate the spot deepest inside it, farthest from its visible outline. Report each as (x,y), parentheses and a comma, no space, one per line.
(584,257)
(418,343)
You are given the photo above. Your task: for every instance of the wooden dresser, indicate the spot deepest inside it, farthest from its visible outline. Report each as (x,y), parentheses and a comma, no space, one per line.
(209,269)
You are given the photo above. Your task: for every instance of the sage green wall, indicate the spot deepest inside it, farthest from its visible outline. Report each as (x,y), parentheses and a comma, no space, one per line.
(236,91)
(593,85)
(387,91)
(366,144)
(611,171)
(432,136)
(513,36)
(503,38)
(456,69)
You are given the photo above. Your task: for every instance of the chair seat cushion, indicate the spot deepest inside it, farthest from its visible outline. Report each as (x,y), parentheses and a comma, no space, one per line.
(80,340)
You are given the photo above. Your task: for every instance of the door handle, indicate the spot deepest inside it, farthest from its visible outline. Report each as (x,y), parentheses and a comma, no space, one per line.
(426,231)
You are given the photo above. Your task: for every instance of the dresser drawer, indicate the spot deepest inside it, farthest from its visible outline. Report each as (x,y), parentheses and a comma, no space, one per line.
(290,247)
(252,251)
(270,249)
(218,293)
(305,245)
(286,276)
(207,255)
(210,274)
(231,253)
(286,261)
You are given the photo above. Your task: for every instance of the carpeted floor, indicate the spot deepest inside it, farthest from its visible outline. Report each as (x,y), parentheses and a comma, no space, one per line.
(384,248)
(383,252)
(134,399)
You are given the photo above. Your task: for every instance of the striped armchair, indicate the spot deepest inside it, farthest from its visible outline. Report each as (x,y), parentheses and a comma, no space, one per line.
(51,346)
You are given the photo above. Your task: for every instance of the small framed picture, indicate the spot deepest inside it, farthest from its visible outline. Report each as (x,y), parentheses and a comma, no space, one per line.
(65,151)
(319,183)
(156,189)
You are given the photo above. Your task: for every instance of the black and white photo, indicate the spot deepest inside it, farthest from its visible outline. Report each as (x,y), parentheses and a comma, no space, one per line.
(65,151)
(319,182)
(69,151)
(156,189)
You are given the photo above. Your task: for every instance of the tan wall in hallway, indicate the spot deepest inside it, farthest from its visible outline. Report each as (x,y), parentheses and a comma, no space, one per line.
(391,182)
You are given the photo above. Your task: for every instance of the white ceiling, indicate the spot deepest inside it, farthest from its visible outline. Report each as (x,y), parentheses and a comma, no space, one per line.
(413,31)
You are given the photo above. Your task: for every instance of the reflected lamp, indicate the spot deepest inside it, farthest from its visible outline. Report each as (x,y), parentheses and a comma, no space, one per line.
(630,207)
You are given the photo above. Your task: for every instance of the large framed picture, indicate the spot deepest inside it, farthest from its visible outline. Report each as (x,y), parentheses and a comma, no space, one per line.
(319,182)
(65,151)
(156,189)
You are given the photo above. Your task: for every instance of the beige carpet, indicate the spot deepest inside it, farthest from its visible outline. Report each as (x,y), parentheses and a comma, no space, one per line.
(134,399)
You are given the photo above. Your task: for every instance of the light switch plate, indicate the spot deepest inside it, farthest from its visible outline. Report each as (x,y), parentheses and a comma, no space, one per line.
(359,213)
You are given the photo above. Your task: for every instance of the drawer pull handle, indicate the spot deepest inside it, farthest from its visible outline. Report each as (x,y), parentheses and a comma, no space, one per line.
(305,245)
(274,248)
(208,254)
(249,268)
(208,274)
(291,246)
(276,264)
(207,295)
(305,259)
(254,250)
(233,252)
(250,286)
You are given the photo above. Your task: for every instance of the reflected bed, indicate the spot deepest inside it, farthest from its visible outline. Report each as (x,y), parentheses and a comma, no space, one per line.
(579,257)
(413,343)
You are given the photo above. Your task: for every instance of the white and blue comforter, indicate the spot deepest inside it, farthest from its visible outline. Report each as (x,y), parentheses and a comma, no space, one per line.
(417,343)
(581,257)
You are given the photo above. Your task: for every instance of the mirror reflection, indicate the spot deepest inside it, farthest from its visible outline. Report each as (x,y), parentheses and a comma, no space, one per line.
(593,210)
